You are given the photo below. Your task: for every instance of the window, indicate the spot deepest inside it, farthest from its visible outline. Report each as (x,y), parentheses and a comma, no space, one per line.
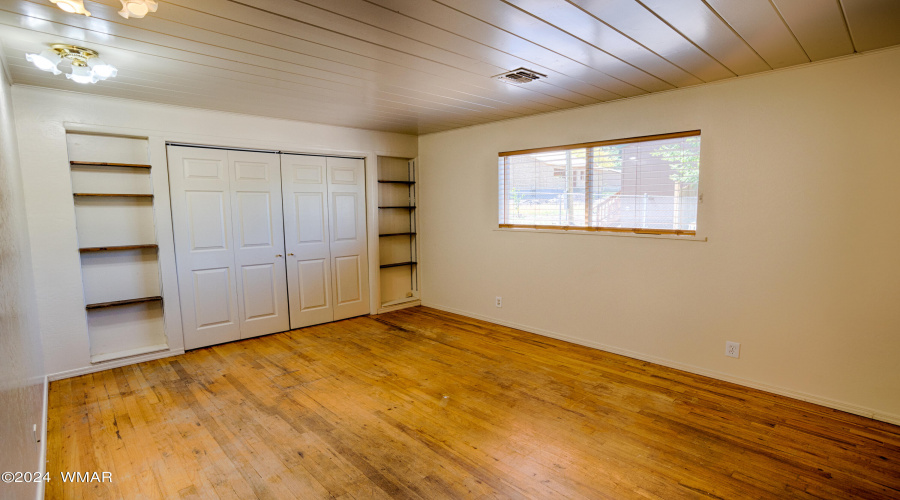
(640,185)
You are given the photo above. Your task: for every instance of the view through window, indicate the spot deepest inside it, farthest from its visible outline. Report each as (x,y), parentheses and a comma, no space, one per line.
(641,185)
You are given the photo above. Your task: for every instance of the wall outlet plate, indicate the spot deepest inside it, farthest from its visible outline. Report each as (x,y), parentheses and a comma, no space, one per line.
(733,349)
(499,302)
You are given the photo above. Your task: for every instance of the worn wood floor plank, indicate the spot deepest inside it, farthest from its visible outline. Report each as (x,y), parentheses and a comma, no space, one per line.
(419,403)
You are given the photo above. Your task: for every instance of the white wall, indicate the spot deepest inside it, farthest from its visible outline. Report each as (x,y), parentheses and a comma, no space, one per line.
(800,178)
(21,363)
(43,117)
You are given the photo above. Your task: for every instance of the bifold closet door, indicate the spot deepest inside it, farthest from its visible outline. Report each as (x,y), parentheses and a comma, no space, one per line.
(347,217)
(325,236)
(258,242)
(306,236)
(226,215)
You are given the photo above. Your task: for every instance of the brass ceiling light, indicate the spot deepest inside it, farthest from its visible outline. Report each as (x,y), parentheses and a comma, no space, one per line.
(87,67)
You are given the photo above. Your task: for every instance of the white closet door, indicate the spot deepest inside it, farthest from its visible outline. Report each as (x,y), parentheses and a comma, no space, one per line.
(347,221)
(258,242)
(201,218)
(306,234)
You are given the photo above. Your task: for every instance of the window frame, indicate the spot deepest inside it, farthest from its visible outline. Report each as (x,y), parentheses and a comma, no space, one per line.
(586,145)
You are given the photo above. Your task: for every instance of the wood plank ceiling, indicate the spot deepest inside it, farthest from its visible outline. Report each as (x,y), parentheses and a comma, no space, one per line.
(421,66)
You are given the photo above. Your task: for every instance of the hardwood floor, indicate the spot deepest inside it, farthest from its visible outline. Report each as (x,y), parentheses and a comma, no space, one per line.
(420,403)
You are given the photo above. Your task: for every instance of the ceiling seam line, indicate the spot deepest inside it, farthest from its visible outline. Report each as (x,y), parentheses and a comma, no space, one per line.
(847,25)
(676,30)
(547,48)
(510,54)
(390,48)
(592,45)
(786,25)
(245,73)
(741,38)
(648,49)
(355,54)
(225,59)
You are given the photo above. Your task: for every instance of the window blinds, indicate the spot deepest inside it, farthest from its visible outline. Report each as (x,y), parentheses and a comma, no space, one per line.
(641,185)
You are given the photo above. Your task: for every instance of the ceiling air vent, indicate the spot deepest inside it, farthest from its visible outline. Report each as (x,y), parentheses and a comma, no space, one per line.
(521,76)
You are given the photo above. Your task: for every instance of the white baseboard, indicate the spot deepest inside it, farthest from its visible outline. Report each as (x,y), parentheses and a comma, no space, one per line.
(116,363)
(781,391)
(42,456)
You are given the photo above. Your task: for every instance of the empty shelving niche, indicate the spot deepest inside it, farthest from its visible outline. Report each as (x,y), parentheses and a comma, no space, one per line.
(397,233)
(120,271)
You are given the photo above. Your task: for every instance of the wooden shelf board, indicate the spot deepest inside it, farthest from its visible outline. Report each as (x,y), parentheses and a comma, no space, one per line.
(115,248)
(99,358)
(397,302)
(396,182)
(101,305)
(399,264)
(104,164)
(114,195)
(409,207)
(397,234)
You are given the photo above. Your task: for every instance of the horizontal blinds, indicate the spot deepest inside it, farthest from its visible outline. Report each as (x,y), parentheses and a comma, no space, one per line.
(648,185)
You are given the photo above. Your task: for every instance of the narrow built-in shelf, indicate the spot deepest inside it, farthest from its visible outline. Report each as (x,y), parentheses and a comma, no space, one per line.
(409,207)
(130,352)
(104,164)
(396,182)
(397,234)
(115,195)
(116,303)
(115,248)
(398,264)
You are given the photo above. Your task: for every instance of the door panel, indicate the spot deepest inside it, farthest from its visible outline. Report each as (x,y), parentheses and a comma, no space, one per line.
(345,209)
(201,221)
(306,234)
(347,223)
(311,227)
(259,242)
(261,294)
(212,288)
(207,219)
(347,279)
(257,227)
(313,278)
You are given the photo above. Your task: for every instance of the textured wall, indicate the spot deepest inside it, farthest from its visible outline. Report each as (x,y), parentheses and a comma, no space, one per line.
(21,358)
(799,177)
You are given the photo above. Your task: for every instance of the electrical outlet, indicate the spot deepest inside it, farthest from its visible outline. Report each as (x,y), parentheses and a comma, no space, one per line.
(733,349)
(499,301)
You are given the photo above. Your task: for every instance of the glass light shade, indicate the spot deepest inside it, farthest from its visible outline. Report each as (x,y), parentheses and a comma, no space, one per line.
(72,6)
(101,69)
(45,61)
(137,8)
(82,74)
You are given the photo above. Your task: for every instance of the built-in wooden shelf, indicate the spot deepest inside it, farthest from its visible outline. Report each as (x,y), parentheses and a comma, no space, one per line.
(116,248)
(398,264)
(114,195)
(103,164)
(404,206)
(130,352)
(101,305)
(396,182)
(397,234)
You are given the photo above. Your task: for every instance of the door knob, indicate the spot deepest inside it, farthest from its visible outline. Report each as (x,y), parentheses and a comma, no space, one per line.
(278,255)
(290,255)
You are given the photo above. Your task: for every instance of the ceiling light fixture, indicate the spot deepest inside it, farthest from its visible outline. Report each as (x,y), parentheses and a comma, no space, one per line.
(72,6)
(87,67)
(137,8)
